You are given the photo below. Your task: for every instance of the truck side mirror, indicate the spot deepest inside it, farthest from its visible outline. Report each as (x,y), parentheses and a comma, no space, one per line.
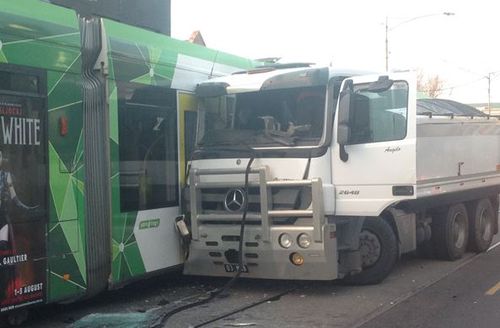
(382,84)
(343,125)
(343,132)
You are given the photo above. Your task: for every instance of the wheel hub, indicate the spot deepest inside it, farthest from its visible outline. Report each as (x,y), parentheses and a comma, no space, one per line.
(484,225)
(369,247)
(459,230)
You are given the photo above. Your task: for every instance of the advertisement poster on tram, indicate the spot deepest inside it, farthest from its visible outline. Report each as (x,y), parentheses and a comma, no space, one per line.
(23,202)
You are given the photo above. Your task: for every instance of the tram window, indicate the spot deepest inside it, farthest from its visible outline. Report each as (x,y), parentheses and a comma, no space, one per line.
(18,82)
(148,147)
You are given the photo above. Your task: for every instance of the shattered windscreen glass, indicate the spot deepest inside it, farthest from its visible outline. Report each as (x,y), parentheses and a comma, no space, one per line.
(274,118)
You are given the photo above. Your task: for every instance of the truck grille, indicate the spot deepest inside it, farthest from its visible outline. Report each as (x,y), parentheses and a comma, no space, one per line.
(270,202)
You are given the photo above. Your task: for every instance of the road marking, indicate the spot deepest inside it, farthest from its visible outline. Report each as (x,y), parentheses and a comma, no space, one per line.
(493,246)
(493,289)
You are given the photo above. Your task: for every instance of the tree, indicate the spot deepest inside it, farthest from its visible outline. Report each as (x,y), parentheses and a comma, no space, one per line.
(432,86)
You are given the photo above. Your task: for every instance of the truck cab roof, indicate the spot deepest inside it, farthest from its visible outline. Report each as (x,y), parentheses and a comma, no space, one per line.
(276,77)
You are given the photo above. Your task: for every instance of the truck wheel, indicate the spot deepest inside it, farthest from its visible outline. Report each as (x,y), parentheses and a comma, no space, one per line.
(450,229)
(481,225)
(379,252)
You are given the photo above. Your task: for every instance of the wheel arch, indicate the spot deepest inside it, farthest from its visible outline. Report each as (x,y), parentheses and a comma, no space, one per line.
(404,226)
(389,217)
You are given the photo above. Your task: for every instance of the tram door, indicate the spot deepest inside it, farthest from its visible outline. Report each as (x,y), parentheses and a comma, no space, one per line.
(144,230)
(188,115)
(23,187)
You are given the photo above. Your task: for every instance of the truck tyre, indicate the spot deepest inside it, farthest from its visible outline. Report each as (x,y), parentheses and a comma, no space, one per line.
(481,225)
(450,229)
(379,252)
(496,209)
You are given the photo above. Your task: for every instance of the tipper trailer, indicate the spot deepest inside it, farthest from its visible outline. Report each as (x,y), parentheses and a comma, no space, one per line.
(318,174)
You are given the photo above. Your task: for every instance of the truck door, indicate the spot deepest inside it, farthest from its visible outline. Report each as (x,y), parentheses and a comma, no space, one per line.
(374,158)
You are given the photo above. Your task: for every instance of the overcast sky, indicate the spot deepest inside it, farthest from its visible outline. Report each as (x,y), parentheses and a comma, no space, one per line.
(462,49)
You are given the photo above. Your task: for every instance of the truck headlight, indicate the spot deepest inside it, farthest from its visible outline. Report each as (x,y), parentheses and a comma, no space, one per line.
(304,240)
(285,240)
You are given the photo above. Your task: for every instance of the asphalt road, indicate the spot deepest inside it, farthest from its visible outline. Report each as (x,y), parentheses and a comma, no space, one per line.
(327,304)
(419,293)
(469,297)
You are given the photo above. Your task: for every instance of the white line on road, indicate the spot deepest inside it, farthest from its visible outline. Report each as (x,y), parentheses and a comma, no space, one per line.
(493,290)
(493,246)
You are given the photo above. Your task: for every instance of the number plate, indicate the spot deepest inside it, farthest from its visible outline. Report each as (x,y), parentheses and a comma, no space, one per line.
(235,267)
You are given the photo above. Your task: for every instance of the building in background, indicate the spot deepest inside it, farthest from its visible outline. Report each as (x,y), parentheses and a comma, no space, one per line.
(197,38)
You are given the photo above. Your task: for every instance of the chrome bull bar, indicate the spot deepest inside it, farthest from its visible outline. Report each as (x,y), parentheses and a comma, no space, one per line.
(315,210)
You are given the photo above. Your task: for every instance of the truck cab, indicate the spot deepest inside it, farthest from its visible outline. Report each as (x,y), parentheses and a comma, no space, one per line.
(302,173)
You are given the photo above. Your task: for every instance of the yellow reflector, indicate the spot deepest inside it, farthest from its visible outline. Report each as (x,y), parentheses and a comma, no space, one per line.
(297,259)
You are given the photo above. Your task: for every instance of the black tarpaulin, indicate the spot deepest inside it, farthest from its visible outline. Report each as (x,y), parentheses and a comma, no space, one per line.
(446,107)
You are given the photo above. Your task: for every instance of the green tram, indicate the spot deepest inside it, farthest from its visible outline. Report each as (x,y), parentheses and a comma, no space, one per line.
(96,119)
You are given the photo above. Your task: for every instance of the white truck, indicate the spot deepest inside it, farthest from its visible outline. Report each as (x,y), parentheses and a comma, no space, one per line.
(314,173)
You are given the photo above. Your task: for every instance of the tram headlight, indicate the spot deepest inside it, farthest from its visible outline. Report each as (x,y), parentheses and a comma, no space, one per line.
(304,240)
(285,240)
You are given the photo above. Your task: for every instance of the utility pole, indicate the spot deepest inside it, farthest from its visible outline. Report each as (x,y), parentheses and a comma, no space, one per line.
(388,29)
(386,43)
(489,93)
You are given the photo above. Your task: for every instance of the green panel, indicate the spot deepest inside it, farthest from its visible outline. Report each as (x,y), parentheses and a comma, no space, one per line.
(38,11)
(78,187)
(115,267)
(3,59)
(38,34)
(64,88)
(58,244)
(128,230)
(139,63)
(124,270)
(150,58)
(68,146)
(43,54)
(59,287)
(72,234)
(133,35)
(115,165)
(127,261)
(78,183)
(61,265)
(113,114)
(145,79)
(69,210)
(134,259)
(58,180)
(65,242)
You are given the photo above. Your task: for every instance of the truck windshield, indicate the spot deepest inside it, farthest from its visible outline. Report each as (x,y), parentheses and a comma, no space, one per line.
(274,118)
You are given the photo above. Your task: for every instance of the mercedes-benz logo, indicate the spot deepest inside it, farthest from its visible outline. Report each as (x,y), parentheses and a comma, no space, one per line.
(235,200)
